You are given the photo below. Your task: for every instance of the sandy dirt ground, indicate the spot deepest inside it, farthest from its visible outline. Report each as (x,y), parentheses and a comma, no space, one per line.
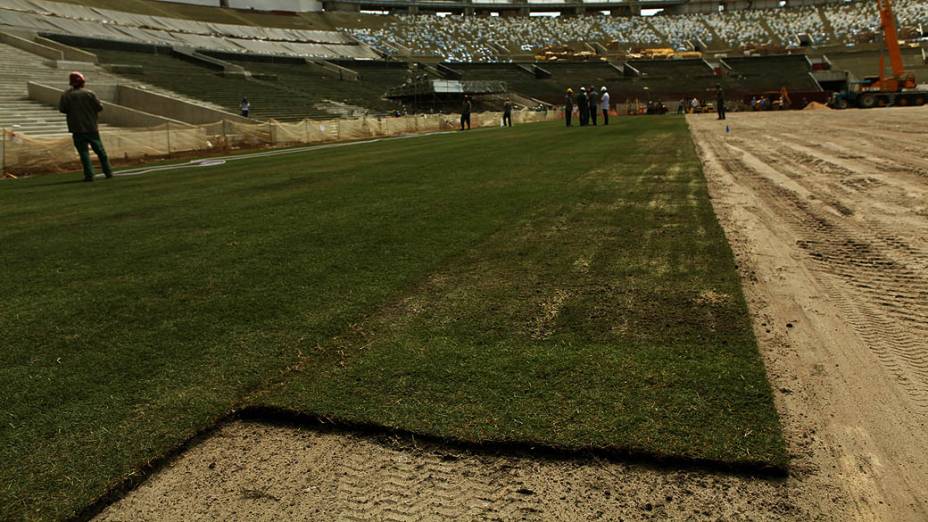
(827,213)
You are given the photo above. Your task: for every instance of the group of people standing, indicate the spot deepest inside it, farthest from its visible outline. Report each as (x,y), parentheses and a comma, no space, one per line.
(695,106)
(467,107)
(588,103)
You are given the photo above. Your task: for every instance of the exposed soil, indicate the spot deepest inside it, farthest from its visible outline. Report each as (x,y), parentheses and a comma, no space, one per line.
(258,472)
(827,212)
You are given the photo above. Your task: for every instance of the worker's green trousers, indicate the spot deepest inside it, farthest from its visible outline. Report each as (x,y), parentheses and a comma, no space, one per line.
(83,140)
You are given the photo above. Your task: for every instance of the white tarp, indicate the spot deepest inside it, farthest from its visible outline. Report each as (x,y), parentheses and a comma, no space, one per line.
(447,86)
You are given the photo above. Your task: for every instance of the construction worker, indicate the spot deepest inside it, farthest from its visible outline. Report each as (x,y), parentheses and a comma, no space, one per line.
(465,113)
(246,107)
(605,105)
(720,101)
(569,105)
(594,104)
(507,113)
(583,105)
(81,107)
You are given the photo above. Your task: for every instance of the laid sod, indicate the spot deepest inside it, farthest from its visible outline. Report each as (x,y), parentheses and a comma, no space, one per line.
(566,288)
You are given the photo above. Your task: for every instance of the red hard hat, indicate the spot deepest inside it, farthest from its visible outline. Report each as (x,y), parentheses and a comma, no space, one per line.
(76,79)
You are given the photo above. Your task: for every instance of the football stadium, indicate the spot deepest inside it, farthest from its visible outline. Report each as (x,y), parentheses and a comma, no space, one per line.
(463,260)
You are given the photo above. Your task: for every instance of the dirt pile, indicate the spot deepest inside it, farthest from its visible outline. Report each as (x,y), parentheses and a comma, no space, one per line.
(816,106)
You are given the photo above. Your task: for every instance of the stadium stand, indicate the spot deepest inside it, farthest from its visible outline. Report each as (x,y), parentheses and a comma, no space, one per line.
(16,110)
(519,80)
(754,75)
(684,71)
(789,23)
(282,89)
(679,31)
(297,66)
(653,79)
(76,20)
(470,39)
(739,28)
(453,38)
(330,96)
(864,63)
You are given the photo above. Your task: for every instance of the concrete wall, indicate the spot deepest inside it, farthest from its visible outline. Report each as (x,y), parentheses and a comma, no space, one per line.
(171,107)
(112,114)
(69,53)
(30,46)
(325,67)
(105,91)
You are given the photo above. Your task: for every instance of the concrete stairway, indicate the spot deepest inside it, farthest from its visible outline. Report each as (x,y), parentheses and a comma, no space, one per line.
(22,115)
(17,112)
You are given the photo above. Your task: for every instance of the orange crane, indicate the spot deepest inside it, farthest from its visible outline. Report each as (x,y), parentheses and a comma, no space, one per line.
(898,88)
(900,79)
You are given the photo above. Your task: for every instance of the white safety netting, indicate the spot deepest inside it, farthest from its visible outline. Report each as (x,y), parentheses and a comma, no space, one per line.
(23,154)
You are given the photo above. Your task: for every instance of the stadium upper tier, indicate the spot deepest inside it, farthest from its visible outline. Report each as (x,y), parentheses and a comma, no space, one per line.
(463,39)
(107,24)
(451,38)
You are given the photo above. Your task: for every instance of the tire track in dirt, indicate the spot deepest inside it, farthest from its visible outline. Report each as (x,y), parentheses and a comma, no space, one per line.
(836,219)
(251,471)
(870,274)
(424,487)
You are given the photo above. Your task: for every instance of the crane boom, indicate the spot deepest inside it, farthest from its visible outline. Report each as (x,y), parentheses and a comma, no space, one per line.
(899,88)
(899,79)
(891,36)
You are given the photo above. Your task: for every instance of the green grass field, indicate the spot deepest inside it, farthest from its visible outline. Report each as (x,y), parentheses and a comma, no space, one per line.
(570,289)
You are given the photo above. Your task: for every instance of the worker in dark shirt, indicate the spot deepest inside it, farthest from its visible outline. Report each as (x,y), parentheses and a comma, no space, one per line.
(583,106)
(720,101)
(81,107)
(569,106)
(594,104)
(465,113)
(507,113)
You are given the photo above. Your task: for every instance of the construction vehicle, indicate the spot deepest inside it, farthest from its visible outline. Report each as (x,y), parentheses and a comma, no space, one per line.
(899,88)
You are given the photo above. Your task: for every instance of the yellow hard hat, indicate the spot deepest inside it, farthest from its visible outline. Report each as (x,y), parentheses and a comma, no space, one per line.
(570,91)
